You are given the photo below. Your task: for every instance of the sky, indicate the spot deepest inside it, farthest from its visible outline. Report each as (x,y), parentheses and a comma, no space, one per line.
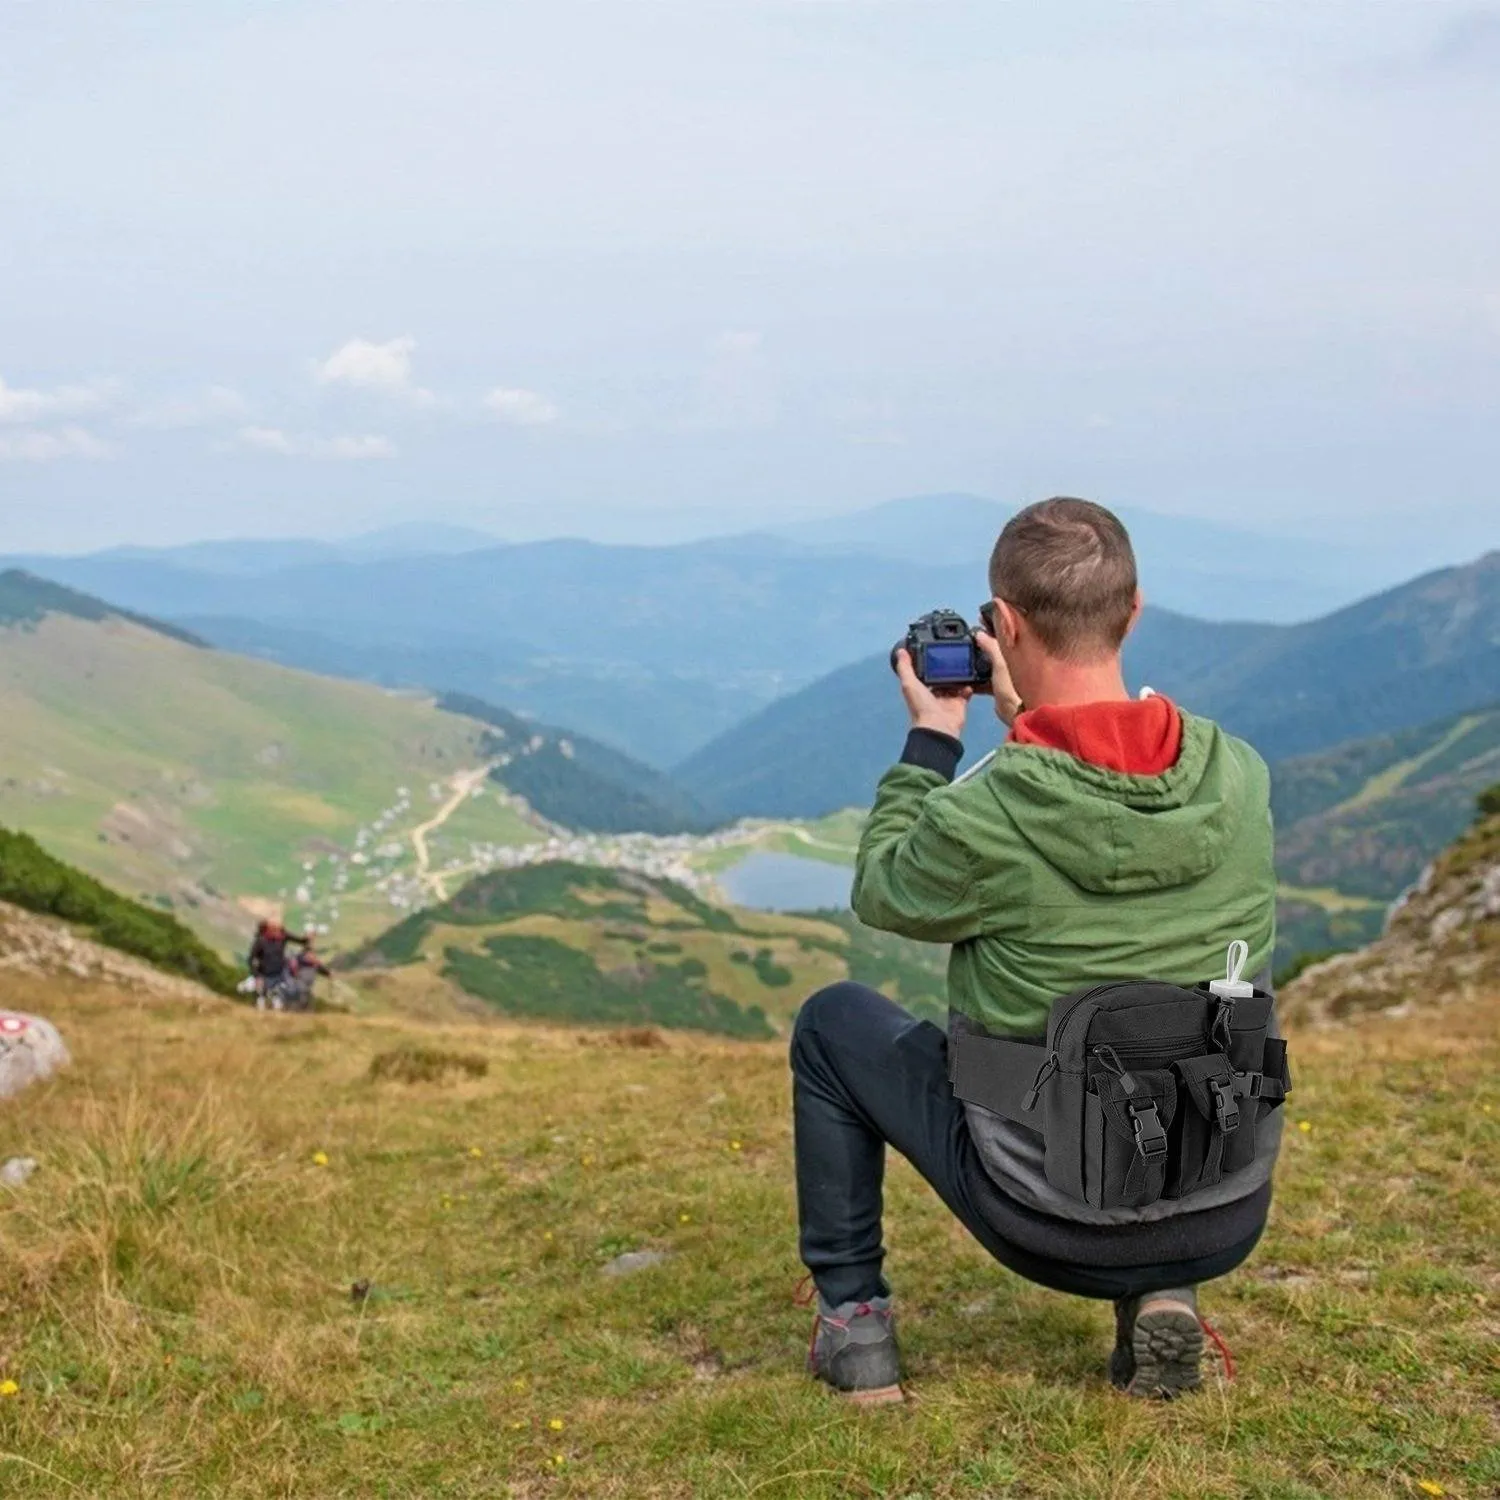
(648,269)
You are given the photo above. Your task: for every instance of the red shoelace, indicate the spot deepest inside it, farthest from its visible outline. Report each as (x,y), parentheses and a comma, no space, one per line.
(1220,1345)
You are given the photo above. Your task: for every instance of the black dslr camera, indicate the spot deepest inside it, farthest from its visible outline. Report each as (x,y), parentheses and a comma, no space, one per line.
(944,653)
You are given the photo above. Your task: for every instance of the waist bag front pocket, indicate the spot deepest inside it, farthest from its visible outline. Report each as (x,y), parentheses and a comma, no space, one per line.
(1208,1119)
(1127,1120)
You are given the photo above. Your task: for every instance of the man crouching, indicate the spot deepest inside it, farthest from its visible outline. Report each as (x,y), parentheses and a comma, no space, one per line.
(1110,838)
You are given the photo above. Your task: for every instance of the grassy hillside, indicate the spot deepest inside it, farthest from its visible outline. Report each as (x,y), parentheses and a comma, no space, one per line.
(563,942)
(33,880)
(192,779)
(248,1268)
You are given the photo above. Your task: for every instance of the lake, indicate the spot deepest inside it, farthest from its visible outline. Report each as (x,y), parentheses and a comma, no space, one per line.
(786,882)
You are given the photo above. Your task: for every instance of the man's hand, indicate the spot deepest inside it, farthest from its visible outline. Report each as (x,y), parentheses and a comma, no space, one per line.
(944,712)
(1007,700)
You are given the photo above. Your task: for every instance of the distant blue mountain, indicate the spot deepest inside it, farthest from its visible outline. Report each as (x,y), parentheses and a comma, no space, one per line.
(656,649)
(252,556)
(1407,657)
(1197,567)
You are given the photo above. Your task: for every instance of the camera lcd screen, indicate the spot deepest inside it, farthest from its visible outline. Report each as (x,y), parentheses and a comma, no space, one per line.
(948,663)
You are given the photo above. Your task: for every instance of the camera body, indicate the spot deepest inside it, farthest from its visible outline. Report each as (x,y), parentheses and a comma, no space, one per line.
(944,653)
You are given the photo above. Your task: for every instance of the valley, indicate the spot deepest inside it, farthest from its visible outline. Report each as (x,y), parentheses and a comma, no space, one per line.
(221,787)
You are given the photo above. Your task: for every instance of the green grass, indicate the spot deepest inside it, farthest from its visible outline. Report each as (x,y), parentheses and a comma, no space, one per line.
(186,1309)
(164,769)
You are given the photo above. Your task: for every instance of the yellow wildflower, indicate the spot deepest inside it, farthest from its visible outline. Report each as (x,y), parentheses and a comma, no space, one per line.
(320,1158)
(586,1161)
(735,1146)
(556,1424)
(684,1218)
(1430,1487)
(1304,1126)
(476,1152)
(9,1388)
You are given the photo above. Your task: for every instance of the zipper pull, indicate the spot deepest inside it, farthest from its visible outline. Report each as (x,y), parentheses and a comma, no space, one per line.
(1043,1073)
(1110,1060)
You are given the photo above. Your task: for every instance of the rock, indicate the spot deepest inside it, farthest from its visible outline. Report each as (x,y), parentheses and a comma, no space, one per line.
(30,1049)
(633,1261)
(17,1171)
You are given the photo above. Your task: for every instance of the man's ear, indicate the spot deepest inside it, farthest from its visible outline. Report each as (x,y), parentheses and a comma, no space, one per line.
(1010,622)
(1135,611)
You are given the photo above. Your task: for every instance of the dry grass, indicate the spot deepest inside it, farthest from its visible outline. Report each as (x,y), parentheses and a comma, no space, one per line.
(176,1308)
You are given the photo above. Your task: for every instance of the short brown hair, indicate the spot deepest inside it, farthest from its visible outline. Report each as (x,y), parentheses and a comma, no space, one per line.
(1068,566)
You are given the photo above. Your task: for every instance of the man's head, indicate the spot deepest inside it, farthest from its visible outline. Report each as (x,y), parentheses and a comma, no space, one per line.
(1064,580)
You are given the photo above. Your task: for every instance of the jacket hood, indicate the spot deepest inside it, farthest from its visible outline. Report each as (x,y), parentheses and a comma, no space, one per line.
(1112,833)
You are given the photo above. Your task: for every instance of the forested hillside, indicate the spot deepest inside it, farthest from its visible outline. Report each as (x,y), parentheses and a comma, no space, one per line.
(33,880)
(577,782)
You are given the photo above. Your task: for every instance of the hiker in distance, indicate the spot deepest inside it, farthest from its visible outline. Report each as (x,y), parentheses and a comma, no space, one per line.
(1101,1119)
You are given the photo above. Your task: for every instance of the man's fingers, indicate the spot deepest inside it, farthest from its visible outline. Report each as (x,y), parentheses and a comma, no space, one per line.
(905,671)
(989,645)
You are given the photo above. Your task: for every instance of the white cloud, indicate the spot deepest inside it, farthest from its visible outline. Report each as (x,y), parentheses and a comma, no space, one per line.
(521,408)
(18,404)
(41,447)
(274,440)
(219,403)
(369,366)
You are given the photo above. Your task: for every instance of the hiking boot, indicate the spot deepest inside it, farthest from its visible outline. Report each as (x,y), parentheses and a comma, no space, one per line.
(1158,1344)
(854,1349)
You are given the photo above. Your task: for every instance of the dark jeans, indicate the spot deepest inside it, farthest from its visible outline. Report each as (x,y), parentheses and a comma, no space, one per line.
(865,1073)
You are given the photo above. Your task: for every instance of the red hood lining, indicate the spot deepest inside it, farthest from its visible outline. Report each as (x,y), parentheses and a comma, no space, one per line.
(1139,737)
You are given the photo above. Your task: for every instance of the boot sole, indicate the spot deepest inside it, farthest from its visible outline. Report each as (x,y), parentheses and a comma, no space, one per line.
(1168,1347)
(885,1395)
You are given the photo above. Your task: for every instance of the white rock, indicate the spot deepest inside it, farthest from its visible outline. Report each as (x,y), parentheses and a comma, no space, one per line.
(17,1170)
(30,1049)
(634,1260)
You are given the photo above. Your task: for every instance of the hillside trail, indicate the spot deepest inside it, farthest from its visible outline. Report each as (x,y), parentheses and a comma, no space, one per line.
(464,783)
(804,837)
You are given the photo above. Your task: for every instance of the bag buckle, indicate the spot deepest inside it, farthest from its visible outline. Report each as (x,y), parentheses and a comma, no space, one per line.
(1226,1111)
(1150,1137)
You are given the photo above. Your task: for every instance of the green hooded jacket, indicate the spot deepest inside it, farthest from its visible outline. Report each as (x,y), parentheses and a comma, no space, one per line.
(1047,873)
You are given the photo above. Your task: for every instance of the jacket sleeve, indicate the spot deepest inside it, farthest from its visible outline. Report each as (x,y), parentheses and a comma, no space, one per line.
(913,875)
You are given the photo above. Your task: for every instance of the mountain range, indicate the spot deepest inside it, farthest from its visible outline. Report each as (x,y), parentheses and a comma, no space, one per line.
(657,650)
(1412,655)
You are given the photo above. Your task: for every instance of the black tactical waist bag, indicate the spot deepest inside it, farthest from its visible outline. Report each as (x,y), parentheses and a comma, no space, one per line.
(1142,1090)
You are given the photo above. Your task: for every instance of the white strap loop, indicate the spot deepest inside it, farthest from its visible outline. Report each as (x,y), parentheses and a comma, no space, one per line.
(1239,956)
